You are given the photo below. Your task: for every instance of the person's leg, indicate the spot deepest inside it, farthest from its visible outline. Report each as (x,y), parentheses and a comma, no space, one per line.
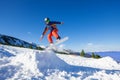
(55,34)
(50,37)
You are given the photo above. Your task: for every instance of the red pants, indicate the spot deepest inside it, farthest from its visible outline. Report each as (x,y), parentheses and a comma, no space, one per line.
(53,33)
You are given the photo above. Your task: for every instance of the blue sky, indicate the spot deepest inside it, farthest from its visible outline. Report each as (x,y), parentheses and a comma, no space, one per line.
(92,25)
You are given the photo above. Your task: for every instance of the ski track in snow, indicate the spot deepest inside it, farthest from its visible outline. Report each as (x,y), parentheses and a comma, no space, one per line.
(27,64)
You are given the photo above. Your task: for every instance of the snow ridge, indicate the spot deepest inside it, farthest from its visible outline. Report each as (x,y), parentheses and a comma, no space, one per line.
(28,64)
(8,40)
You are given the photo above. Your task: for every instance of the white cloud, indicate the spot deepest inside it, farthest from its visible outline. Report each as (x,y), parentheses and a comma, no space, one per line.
(92,47)
(28,32)
(62,46)
(90,44)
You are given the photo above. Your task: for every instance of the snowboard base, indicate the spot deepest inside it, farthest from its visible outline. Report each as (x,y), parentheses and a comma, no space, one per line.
(53,45)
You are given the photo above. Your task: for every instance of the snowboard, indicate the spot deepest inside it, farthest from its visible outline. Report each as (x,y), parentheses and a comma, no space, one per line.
(53,46)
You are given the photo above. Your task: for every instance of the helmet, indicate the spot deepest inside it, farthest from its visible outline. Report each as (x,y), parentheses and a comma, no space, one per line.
(46,19)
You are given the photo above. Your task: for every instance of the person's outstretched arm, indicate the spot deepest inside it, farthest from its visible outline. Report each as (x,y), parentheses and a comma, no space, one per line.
(44,32)
(56,22)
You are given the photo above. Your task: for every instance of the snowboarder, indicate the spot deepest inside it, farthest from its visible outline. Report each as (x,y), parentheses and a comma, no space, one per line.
(51,25)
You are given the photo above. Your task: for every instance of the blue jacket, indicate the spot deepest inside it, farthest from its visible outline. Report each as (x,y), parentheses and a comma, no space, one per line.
(51,26)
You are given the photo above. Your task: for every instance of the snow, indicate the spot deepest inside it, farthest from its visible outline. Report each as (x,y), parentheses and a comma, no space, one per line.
(27,64)
(102,63)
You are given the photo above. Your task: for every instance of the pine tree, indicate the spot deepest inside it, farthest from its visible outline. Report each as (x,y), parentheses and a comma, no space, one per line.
(31,47)
(97,56)
(39,48)
(93,55)
(82,53)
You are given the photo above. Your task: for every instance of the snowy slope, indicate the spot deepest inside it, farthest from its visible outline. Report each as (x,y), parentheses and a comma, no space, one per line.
(8,40)
(102,63)
(114,54)
(27,64)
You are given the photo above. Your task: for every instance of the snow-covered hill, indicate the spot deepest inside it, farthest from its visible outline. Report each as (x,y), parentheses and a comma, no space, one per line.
(8,40)
(27,64)
(114,54)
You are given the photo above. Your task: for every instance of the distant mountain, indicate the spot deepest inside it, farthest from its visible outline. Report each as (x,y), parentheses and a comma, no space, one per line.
(8,40)
(114,54)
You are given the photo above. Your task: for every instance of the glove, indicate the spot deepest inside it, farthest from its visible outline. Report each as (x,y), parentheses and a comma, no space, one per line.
(62,22)
(41,37)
